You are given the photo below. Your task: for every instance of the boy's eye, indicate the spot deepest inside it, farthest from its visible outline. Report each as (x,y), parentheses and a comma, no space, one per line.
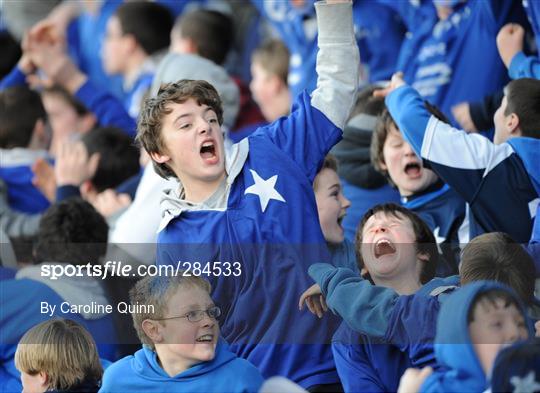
(192,315)
(212,121)
(185,126)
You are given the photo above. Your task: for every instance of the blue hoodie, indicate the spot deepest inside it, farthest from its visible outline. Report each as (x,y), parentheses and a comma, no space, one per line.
(142,373)
(460,369)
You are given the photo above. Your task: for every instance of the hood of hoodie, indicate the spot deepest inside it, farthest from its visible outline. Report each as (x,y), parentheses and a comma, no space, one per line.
(172,200)
(528,149)
(145,364)
(353,153)
(175,66)
(453,348)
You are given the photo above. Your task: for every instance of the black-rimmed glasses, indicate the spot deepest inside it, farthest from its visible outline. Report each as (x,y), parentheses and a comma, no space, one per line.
(197,315)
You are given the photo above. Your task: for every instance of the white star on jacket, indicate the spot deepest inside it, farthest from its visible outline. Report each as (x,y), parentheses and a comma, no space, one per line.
(526,384)
(264,189)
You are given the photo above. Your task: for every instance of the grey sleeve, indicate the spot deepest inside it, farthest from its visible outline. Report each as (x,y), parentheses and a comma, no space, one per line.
(338,62)
(14,223)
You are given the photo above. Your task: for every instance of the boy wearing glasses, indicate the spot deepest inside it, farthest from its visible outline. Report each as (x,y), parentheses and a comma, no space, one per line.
(181,347)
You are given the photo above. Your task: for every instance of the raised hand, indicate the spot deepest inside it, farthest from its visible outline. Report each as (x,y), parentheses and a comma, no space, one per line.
(510,42)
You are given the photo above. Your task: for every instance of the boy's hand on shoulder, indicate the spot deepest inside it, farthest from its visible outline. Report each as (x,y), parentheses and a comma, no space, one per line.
(510,42)
(537,328)
(314,300)
(396,81)
(44,178)
(412,379)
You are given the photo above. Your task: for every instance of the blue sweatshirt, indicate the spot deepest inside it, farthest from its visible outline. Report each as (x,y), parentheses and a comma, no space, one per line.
(522,66)
(501,183)
(142,373)
(460,369)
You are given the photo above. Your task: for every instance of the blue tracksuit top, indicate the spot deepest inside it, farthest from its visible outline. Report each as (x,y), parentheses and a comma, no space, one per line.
(501,183)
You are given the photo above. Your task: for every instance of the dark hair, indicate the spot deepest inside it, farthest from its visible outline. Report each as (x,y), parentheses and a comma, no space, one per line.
(119,158)
(20,109)
(329,162)
(273,56)
(492,297)
(11,53)
(496,256)
(367,104)
(425,241)
(518,360)
(523,99)
(71,231)
(155,109)
(69,98)
(211,31)
(382,129)
(149,23)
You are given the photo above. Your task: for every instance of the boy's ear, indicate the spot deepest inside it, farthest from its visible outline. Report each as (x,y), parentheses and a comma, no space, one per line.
(153,330)
(423,256)
(160,158)
(43,379)
(382,165)
(512,123)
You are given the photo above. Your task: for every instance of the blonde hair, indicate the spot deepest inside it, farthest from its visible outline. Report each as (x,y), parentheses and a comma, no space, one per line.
(273,57)
(156,292)
(62,349)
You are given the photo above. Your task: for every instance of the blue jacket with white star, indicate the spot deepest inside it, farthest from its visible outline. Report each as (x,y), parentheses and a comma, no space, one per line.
(275,239)
(256,237)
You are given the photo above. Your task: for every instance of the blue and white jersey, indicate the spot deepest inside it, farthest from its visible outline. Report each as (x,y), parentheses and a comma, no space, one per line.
(270,226)
(447,60)
(501,183)
(267,229)
(378,32)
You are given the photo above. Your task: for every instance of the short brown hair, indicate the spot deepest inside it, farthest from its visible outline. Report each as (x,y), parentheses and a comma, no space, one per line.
(425,241)
(62,349)
(67,97)
(382,129)
(156,292)
(329,162)
(273,56)
(155,109)
(523,99)
(368,104)
(496,256)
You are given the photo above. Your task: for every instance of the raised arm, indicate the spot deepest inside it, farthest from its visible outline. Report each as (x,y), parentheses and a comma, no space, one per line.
(315,123)
(364,307)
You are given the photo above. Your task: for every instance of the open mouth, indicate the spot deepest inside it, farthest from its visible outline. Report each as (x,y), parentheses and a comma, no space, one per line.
(340,219)
(207,338)
(384,247)
(208,152)
(413,169)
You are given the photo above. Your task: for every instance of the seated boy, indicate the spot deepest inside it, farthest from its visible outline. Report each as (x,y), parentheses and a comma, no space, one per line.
(473,325)
(500,181)
(71,233)
(58,355)
(420,189)
(136,33)
(177,322)
(253,204)
(269,69)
